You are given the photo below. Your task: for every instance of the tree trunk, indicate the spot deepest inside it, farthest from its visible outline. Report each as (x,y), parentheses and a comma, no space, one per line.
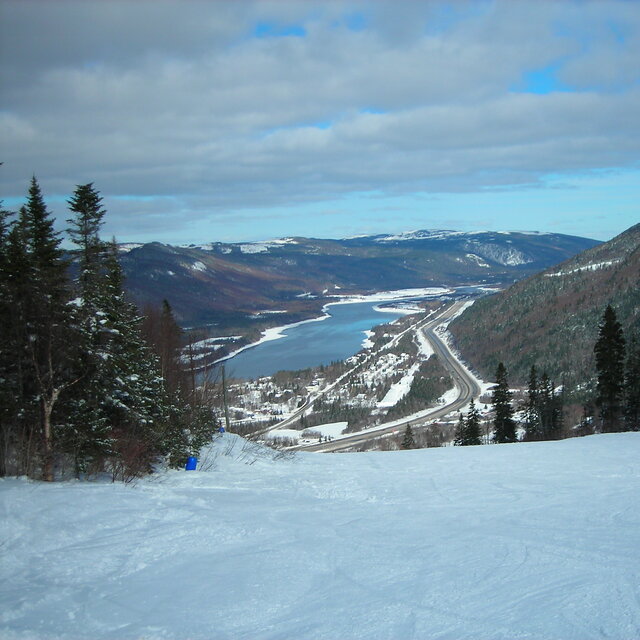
(47,410)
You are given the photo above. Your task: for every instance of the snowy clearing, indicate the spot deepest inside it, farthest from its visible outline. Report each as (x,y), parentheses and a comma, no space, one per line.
(587,267)
(536,541)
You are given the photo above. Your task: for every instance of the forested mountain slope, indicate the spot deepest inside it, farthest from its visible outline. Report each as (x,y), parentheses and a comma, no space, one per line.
(231,284)
(551,319)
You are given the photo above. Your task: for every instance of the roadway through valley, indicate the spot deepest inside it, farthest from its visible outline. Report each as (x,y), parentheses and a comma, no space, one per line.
(466,385)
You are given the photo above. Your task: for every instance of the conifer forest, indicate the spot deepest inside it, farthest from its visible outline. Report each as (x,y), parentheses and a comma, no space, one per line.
(87,384)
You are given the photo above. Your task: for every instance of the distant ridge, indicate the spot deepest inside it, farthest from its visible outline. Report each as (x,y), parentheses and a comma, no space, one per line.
(551,319)
(232,284)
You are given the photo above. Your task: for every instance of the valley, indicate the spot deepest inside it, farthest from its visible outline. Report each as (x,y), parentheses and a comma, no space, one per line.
(240,289)
(405,375)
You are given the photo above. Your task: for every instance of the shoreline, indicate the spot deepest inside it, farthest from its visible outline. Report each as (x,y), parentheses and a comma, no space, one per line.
(275,333)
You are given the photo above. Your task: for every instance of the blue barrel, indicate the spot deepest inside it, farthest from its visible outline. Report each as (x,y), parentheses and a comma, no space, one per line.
(191,463)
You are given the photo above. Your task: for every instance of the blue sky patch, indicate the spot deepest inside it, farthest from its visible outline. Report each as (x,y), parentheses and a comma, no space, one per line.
(541,81)
(273,30)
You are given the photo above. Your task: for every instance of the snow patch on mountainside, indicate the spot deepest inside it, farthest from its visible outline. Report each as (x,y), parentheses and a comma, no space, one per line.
(587,267)
(125,247)
(507,256)
(198,266)
(425,235)
(253,248)
(477,259)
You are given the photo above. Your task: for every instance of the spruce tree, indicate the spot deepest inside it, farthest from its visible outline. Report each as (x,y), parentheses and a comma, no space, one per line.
(468,429)
(472,426)
(19,406)
(86,434)
(84,232)
(532,421)
(135,399)
(408,441)
(47,319)
(504,424)
(546,407)
(610,358)
(8,407)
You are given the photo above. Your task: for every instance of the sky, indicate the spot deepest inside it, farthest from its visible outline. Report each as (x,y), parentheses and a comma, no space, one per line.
(248,120)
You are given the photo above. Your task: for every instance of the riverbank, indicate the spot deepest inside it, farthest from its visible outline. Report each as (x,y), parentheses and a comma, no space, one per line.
(275,333)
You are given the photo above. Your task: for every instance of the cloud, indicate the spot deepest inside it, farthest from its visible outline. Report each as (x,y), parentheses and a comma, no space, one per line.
(209,107)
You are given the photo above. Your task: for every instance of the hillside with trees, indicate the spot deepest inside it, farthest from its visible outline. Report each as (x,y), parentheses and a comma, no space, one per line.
(551,320)
(81,389)
(237,285)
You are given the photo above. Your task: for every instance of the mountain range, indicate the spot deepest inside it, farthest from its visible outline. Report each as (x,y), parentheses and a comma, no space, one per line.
(551,319)
(254,284)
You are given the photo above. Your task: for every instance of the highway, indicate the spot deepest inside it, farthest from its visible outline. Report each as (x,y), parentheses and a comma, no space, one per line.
(467,388)
(297,414)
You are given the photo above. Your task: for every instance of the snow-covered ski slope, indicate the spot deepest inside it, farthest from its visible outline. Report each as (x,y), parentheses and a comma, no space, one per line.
(536,541)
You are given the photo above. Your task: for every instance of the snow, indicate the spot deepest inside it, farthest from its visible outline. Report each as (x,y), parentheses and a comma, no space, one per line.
(198,266)
(424,346)
(477,259)
(595,266)
(254,248)
(396,294)
(368,343)
(426,235)
(399,389)
(535,540)
(278,434)
(449,396)
(330,429)
(125,247)
(505,256)
(263,247)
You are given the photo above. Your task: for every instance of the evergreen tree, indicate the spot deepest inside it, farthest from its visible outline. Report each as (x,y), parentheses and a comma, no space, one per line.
(19,406)
(135,400)
(610,356)
(408,441)
(86,433)
(8,407)
(123,416)
(468,429)
(532,419)
(632,386)
(472,426)
(84,232)
(458,440)
(47,316)
(546,407)
(504,424)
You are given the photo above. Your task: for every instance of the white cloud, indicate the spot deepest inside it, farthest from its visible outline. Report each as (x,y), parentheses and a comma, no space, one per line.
(177,100)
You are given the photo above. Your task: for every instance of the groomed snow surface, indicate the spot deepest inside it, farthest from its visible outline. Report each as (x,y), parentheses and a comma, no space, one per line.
(536,541)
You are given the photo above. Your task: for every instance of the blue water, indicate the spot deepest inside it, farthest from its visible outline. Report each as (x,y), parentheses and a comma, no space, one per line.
(312,343)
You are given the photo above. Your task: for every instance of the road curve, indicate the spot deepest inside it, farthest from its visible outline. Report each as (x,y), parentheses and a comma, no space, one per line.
(467,387)
(297,414)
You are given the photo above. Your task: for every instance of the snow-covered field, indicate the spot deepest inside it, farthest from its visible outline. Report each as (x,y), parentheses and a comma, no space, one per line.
(536,541)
